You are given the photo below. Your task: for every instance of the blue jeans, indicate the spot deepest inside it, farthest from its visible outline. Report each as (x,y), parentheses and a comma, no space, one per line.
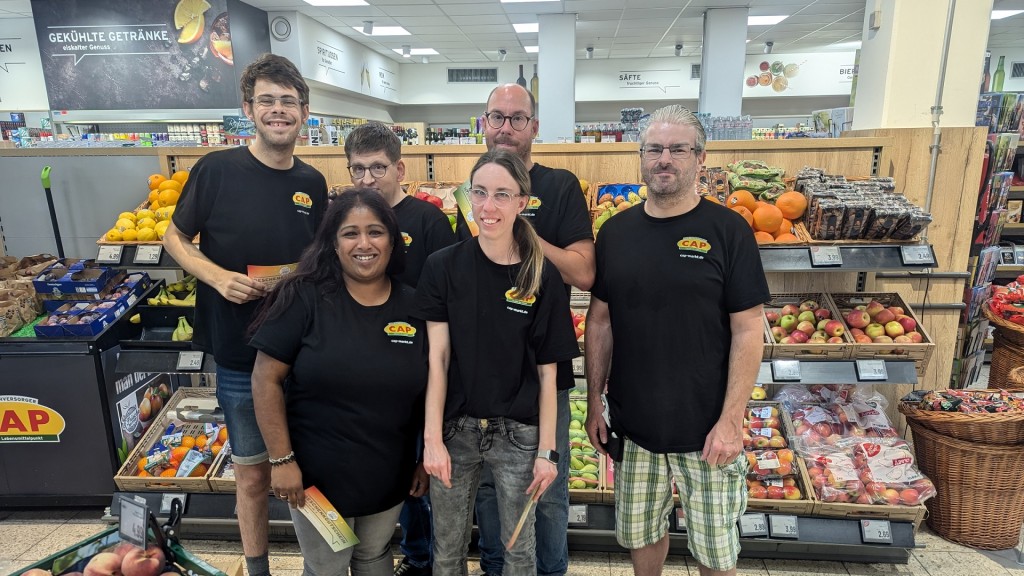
(552,511)
(510,449)
(234,395)
(370,557)
(417,535)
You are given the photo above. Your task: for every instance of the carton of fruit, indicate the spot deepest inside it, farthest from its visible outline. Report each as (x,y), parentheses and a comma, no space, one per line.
(777,480)
(222,472)
(78,279)
(804,326)
(884,327)
(586,464)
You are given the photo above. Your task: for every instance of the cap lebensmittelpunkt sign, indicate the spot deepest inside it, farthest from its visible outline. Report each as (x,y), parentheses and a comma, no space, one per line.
(25,420)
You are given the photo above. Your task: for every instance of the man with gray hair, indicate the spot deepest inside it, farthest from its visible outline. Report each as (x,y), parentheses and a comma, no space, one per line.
(676,395)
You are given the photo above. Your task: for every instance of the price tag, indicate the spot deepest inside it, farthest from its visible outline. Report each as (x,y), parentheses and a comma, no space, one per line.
(190,361)
(148,255)
(784,527)
(578,515)
(680,520)
(917,255)
(876,531)
(577,366)
(110,254)
(133,521)
(786,370)
(871,370)
(753,524)
(166,499)
(826,256)
(588,139)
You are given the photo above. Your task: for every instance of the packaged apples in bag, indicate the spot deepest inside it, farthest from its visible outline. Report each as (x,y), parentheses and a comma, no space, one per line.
(864,418)
(771,463)
(815,426)
(888,471)
(834,476)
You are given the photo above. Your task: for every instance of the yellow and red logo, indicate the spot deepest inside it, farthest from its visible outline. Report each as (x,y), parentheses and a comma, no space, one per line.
(302,199)
(400,329)
(533,204)
(23,419)
(406,239)
(528,301)
(694,244)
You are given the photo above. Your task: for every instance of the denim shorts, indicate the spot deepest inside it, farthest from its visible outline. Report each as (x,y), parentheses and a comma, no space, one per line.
(234,394)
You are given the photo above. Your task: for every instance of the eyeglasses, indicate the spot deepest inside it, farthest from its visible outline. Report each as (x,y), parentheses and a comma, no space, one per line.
(518,121)
(501,199)
(269,101)
(678,152)
(376,170)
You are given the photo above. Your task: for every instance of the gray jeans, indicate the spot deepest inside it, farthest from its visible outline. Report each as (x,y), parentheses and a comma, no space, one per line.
(371,557)
(509,448)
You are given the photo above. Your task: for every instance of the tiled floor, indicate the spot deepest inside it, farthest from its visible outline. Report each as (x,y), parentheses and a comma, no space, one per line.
(26,537)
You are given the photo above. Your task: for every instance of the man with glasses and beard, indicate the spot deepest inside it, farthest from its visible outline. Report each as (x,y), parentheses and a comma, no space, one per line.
(558,211)
(256,208)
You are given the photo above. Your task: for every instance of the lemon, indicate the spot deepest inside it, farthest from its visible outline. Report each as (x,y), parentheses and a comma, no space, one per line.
(145,223)
(187,11)
(124,224)
(165,213)
(147,234)
(192,31)
(154,206)
(129,235)
(127,216)
(584,185)
(113,235)
(145,213)
(161,228)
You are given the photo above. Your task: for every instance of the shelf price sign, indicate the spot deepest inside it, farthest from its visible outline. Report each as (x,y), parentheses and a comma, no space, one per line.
(133,520)
(784,526)
(680,520)
(109,254)
(786,370)
(166,499)
(578,515)
(826,256)
(190,361)
(148,254)
(876,531)
(917,255)
(753,524)
(871,370)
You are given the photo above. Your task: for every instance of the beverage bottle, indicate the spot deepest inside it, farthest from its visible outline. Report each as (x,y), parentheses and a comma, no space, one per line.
(987,77)
(522,79)
(997,78)
(535,85)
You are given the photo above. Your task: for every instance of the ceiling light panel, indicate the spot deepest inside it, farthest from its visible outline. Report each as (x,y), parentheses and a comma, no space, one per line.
(416,51)
(527,28)
(765,20)
(383,31)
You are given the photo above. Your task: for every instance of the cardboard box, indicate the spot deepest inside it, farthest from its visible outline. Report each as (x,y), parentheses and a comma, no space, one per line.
(1013,208)
(68,277)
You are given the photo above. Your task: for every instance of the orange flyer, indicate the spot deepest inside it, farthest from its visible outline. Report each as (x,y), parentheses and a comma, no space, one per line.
(269,276)
(325,518)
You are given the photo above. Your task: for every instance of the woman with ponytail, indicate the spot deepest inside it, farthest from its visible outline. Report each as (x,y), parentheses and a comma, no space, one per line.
(498,323)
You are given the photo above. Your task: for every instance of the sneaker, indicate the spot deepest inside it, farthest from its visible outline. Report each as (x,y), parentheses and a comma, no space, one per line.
(405,568)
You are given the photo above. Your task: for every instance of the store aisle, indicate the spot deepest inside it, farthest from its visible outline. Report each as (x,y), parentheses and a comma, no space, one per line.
(26,537)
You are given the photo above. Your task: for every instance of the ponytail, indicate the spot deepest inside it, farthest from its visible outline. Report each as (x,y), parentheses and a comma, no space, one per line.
(532,256)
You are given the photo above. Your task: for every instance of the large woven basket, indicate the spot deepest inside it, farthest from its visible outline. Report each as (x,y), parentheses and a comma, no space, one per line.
(1004,428)
(980,489)
(1007,348)
(1012,332)
(1015,381)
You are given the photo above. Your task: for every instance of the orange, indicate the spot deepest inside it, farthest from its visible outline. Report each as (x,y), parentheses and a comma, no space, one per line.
(170,185)
(222,435)
(215,448)
(201,441)
(742,211)
(155,180)
(169,473)
(180,177)
(142,463)
(763,237)
(741,198)
(785,228)
(786,238)
(792,204)
(143,473)
(713,199)
(758,204)
(155,205)
(188,441)
(169,197)
(178,454)
(198,471)
(154,195)
(767,218)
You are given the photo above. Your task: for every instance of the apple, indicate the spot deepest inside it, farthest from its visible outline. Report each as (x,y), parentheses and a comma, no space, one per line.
(857,319)
(910,497)
(893,329)
(819,334)
(915,337)
(139,562)
(802,429)
(778,333)
(104,564)
(809,305)
(892,497)
(748,440)
(789,481)
(758,492)
(772,318)
(784,469)
(908,323)
(855,331)
(884,317)
(834,328)
(821,324)
(806,327)
(862,339)
(903,339)
(822,314)
(834,340)
(578,317)
(788,322)
(579,333)
(791,493)
(798,336)
(776,493)
(823,428)
(790,310)
(36,572)
(883,339)
(777,442)
(761,443)
(874,329)
(864,498)
(896,310)
(873,308)
(789,340)
(806,316)
(819,482)
(861,307)
(818,340)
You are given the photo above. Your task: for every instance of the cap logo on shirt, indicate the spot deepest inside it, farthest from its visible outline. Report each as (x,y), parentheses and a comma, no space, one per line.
(302,199)
(400,330)
(694,244)
(533,204)
(528,301)
(406,239)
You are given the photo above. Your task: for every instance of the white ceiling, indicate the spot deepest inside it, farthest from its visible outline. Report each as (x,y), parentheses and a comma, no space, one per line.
(467,31)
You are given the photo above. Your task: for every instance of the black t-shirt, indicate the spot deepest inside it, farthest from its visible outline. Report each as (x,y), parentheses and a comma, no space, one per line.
(497,341)
(355,394)
(558,211)
(247,214)
(425,230)
(670,285)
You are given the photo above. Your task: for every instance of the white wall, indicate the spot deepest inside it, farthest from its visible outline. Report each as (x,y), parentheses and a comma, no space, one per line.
(21,71)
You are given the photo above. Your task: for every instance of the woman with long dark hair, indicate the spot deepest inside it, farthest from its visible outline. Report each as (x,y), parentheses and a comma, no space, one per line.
(339,383)
(498,322)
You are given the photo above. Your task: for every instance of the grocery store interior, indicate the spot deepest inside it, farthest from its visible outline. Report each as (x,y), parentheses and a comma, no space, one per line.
(872,145)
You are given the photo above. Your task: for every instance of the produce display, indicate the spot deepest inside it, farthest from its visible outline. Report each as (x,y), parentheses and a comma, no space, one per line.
(579,323)
(169,294)
(875,323)
(970,401)
(760,196)
(584,461)
(614,198)
(180,455)
(772,472)
(150,221)
(808,321)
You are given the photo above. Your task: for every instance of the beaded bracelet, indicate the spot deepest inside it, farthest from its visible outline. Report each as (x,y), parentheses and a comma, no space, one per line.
(290,457)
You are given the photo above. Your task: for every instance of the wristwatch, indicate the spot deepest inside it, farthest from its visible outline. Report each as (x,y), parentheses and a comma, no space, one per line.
(549,455)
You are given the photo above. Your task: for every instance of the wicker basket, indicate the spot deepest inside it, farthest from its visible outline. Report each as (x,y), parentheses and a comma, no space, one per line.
(1002,429)
(980,500)
(1005,357)
(1015,381)
(1012,332)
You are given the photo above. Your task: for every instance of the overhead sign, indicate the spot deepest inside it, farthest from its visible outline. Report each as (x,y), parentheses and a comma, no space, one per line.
(805,74)
(661,80)
(21,74)
(25,420)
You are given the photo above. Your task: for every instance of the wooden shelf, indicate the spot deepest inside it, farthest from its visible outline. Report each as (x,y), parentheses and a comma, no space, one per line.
(1013,229)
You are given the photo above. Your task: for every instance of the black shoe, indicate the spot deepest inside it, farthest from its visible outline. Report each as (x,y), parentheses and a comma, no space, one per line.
(405,568)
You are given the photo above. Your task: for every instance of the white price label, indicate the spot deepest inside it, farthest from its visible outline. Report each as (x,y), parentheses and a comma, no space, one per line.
(578,515)
(680,520)
(826,256)
(149,255)
(190,361)
(753,524)
(786,370)
(766,432)
(917,255)
(588,139)
(133,517)
(110,254)
(577,366)
(784,527)
(876,531)
(166,499)
(870,370)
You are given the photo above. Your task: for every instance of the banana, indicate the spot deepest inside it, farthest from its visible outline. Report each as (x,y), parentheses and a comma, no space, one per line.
(183,332)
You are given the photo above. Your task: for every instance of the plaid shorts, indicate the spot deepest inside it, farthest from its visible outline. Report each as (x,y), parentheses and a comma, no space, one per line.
(713,498)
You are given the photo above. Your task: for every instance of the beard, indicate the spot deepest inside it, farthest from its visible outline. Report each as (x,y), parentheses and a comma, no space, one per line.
(520,149)
(662,188)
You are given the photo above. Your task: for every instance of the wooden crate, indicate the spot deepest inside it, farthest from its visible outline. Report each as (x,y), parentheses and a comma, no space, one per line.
(126,479)
(803,506)
(919,353)
(217,482)
(913,514)
(807,350)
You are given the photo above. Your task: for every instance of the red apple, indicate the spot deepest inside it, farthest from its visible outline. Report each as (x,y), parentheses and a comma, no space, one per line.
(777,442)
(806,316)
(748,440)
(778,333)
(903,339)
(822,314)
(823,428)
(798,336)
(772,318)
(855,331)
(788,322)
(884,317)
(893,329)
(896,310)
(776,493)
(758,491)
(790,310)
(874,329)
(578,317)
(834,328)
(760,442)
(873,308)
(915,337)
(908,323)
(883,339)
(148,562)
(862,339)
(791,493)
(864,498)
(835,340)
(892,497)
(789,340)
(808,305)
(104,564)
(857,319)
(910,497)
(788,481)
(806,327)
